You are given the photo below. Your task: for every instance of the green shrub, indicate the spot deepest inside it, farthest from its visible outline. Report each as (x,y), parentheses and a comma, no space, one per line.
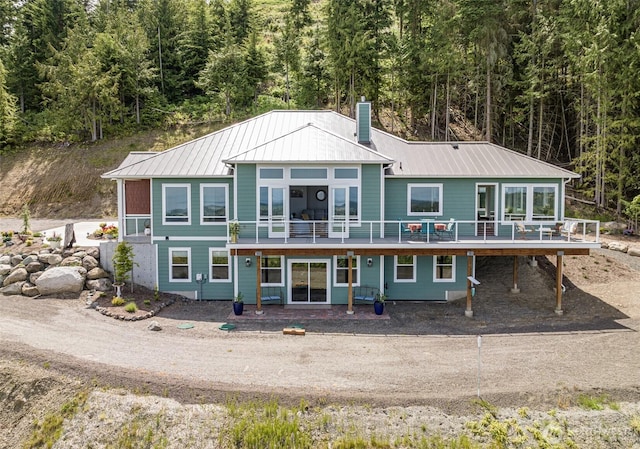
(131,307)
(117,301)
(147,302)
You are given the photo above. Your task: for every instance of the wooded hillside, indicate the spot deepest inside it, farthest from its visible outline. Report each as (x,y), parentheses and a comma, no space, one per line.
(556,80)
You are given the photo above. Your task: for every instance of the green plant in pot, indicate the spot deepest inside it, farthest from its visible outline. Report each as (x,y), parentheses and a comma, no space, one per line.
(378,304)
(238,304)
(234,230)
(122,265)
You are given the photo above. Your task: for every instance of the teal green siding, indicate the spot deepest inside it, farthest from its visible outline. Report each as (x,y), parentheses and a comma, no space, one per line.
(195,229)
(363,117)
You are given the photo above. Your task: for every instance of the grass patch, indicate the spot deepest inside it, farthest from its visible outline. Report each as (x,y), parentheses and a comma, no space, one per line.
(48,431)
(117,301)
(588,402)
(635,424)
(131,307)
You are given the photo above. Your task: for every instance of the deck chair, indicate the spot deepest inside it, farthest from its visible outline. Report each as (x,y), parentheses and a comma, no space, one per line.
(522,229)
(450,228)
(428,227)
(404,229)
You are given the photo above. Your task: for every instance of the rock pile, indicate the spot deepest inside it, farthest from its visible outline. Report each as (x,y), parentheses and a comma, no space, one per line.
(53,272)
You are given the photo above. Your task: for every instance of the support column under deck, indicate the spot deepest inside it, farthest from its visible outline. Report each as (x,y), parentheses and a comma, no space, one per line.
(515,288)
(469,311)
(559,262)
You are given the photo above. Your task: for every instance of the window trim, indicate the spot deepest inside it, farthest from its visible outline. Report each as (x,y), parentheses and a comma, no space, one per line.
(164,204)
(171,265)
(211,265)
(435,269)
(440,188)
(282,273)
(356,282)
(395,270)
(530,187)
(223,220)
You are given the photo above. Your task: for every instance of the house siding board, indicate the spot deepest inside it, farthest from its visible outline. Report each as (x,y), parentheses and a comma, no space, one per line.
(247,192)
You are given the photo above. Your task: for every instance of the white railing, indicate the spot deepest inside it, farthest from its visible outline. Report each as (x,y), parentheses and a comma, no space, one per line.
(137,225)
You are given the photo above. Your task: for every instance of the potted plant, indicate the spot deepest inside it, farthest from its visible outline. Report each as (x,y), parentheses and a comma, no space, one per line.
(122,266)
(378,304)
(234,230)
(54,240)
(238,304)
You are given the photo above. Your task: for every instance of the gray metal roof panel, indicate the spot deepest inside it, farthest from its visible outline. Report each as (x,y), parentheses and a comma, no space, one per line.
(272,137)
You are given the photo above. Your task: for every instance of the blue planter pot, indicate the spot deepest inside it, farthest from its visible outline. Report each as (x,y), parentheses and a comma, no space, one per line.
(238,307)
(378,307)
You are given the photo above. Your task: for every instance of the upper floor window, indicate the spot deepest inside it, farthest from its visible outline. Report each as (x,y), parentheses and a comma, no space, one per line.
(213,203)
(219,265)
(271,173)
(176,204)
(424,199)
(271,271)
(444,268)
(341,270)
(405,268)
(530,202)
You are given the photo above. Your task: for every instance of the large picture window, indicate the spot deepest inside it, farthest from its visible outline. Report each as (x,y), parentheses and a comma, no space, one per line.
(444,268)
(176,203)
(530,202)
(271,271)
(341,271)
(424,199)
(180,264)
(405,269)
(219,265)
(213,203)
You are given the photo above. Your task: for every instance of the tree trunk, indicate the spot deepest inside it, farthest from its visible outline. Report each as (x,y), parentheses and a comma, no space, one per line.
(487,107)
(530,137)
(446,115)
(434,103)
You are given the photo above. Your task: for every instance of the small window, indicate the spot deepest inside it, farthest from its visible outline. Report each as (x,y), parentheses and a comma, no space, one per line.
(176,203)
(424,199)
(220,268)
(180,264)
(444,268)
(341,273)
(213,203)
(271,271)
(271,173)
(308,173)
(405,268)
(345,173)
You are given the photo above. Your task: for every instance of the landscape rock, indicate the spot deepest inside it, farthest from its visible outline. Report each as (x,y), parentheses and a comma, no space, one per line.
(634,251)
(618,246)
(30,290)
(80,254)
(101,285)
(5,268)
(16,259)
(17,275)
(54,259)
(71,261)
(28,259)
(154,326)
(33,277)
(89,263)
(34,267)
(12,289)
(5,260)
(61,280)
(97,273)
(93,252)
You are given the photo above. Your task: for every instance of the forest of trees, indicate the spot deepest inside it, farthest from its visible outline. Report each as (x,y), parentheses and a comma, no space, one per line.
(555,79)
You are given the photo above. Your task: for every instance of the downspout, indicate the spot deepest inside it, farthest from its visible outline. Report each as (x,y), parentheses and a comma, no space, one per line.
(564,184)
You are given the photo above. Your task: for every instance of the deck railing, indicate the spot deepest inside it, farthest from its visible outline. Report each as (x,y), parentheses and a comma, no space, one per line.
(415,230)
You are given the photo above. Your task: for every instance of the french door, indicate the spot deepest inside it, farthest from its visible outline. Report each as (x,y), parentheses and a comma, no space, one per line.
(275,209)
(309,282)
(339,213)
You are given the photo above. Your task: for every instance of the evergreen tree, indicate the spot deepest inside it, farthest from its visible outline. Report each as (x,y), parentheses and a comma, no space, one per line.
(195,43)
(287,59)
(256,68)
(8,110)
(313,85)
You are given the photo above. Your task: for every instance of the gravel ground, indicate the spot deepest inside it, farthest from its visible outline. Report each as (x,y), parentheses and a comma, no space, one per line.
(420,369)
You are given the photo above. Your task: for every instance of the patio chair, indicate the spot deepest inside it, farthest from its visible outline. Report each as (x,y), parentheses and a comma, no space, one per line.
(404,229)
(522,229)
(450,228)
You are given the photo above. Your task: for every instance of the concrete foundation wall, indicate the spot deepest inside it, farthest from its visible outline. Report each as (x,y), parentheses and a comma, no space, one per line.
(144,256)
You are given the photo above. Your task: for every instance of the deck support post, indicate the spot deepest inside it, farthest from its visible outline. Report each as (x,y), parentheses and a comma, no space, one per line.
(259,310)
(350,281)
(469,311)
(559,262)
(515,288)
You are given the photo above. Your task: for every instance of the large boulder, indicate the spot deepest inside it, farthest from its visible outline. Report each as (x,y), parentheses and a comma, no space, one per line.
(5,268)
(12,289)
(61,280)
(97,273)
(71,261)
(93,252)
(16,259)
(100,285)
(634,251)
(54,259)
(618,246)
(17,275)
(89,263)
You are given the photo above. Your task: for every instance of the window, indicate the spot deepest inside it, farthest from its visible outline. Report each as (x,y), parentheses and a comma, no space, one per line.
(176,204)
(444,269)
(179,264)
(424,199)
(353,204)
(308,173)
(530,202)
(271,173)
(271,271)
(213,203)
(345,173)
(341,273)
(405,268)
(219,265)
